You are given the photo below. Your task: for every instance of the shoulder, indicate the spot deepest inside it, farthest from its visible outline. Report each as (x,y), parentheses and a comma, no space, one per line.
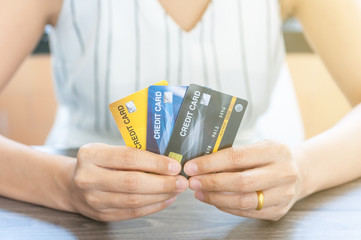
(47,10)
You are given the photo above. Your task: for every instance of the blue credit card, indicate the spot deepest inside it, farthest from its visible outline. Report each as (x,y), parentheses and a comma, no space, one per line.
(164,103)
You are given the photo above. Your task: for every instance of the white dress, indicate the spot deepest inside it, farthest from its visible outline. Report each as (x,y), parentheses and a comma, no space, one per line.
(104,50)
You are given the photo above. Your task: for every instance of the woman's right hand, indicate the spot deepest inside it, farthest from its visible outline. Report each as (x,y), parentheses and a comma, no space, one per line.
(112,183)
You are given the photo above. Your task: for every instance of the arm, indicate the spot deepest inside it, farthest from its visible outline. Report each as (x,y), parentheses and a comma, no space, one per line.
(332,28)
(23,168)
(327,160)
(106,183)
(22,23)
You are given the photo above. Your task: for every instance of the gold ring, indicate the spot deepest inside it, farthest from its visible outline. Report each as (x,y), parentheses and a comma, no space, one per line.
(260,200)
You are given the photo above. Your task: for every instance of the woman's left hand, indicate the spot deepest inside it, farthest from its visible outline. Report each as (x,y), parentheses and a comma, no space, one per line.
(229,179)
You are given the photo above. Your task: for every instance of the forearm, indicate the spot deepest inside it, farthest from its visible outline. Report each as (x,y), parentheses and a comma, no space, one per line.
(36,177)
(333,157)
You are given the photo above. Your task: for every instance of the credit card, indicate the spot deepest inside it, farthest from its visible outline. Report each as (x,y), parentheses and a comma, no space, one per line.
(164,103)
(130,114)
(208,121)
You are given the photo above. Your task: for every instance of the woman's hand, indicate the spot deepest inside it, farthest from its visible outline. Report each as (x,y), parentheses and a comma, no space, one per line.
(230,179)
(112,183)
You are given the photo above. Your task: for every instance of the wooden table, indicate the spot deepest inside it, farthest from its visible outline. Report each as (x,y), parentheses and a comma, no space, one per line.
(331,214)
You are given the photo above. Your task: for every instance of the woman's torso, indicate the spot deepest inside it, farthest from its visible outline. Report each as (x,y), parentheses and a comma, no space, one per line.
(104,50)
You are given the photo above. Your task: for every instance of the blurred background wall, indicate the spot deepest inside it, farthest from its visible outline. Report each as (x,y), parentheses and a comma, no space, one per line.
(27,103)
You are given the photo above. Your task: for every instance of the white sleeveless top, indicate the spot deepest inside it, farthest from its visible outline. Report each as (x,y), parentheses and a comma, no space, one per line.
(104,50)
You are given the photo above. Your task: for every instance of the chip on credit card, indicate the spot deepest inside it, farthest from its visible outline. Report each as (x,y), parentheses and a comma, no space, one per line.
(163,106)
(130,114)
(207,121)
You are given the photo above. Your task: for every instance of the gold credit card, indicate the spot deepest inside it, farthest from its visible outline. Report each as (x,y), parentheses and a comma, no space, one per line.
(130,115)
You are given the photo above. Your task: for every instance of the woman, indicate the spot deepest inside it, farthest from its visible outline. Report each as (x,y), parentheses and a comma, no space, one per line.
(105,50)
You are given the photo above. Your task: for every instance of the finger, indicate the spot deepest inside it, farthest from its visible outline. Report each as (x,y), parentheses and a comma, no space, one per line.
(130,182)
(127,158)
(243,182)
(112,215)
(281,196)
(109,200)
(274,213)
(246,157)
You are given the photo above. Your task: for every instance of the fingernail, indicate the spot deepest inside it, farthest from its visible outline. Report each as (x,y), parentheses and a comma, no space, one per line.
(195,184)
(170,201)
(199,196)
(174,168)
(191,168)
(181,183)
